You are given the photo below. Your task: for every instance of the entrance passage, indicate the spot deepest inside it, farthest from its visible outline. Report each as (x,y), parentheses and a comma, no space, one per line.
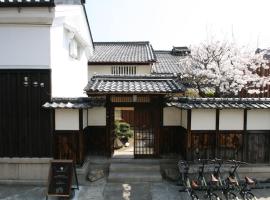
(144,138)
(124,132)
(133,133)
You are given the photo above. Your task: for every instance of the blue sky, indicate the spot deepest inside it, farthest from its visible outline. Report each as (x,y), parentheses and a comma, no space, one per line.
(180,22)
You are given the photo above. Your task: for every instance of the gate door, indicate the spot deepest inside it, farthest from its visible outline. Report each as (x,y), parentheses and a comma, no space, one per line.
(144,137)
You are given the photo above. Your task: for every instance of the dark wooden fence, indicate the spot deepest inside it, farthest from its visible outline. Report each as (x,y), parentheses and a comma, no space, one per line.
(249,146)
(257,147)
(96,140)
(172,140)
(25,127)
(69,145)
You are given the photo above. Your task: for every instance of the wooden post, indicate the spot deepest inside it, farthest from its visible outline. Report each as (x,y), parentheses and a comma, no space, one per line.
(108,127)
(245,138)
(189,132)
(217,150)
(80,139)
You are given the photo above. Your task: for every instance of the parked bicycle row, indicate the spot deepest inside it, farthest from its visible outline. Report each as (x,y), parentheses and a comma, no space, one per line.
(217,179)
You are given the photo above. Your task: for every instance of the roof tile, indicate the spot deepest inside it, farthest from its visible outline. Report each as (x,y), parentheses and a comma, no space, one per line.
(220,103)
(167,63)
(74,103)
(122,52)
(133,84)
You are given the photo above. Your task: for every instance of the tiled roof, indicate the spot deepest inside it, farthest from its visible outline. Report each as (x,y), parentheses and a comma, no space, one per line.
(220,103)
(74,103)
(167,63)
(266,53)
(133,85)
(38,3)
(122,52)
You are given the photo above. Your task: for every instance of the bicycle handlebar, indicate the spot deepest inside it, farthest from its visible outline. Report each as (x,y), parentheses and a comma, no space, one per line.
(204,161)
(236,162)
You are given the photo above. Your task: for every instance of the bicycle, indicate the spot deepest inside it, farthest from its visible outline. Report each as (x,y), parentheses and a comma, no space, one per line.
(233,178)
(189,186)
(213,181)
(225,187)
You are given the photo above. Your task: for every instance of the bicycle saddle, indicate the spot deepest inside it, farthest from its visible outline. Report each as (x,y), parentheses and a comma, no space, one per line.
(249,181)
(194,185)
(232,180)
(213,178)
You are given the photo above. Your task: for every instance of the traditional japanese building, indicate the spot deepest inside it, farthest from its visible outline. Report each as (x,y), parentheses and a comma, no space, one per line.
(64,96)
(120,75)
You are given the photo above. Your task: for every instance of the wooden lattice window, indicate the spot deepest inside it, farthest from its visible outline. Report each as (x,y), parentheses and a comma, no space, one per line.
(124,70)
(129,99)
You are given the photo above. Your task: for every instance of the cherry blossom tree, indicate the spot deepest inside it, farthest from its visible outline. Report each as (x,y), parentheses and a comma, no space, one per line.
(225,68)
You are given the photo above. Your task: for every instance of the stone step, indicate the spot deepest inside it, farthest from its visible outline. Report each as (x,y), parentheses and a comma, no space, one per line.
(134,167)
(133,177)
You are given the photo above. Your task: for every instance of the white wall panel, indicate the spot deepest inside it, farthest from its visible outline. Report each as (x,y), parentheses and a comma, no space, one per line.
(26,47)
(85,121)
(97,116)
(107,69)
(66,119)
(258,119)
(231,119)
(184,118)
(26,15)
(171,116)
(203,119)
(69,75)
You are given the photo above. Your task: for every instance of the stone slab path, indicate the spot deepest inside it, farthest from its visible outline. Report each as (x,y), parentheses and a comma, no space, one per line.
(101,190)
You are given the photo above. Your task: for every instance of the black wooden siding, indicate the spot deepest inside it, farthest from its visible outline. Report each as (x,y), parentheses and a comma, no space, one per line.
(172,140)
(25,127)
(96,140)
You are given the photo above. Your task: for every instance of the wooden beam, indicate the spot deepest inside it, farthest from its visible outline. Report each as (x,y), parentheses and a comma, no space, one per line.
(189,132)
(217,134)
(80,119)
(108,126)
(245,137)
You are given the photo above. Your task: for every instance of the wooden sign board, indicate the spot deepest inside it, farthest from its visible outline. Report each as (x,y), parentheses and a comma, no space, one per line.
(60,178)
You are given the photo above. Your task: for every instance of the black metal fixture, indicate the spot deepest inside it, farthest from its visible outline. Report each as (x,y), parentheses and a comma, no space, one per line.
(26,83)
(35,84)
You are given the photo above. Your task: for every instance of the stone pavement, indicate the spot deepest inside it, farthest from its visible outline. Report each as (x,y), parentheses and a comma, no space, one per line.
(101,190)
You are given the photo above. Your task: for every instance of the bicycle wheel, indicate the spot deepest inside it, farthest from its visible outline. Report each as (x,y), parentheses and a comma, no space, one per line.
(231,196)
(249,196)
(194,197)
(214,196)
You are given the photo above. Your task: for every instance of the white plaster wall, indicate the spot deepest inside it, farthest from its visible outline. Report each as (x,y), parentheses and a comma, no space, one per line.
(24,46)
(231,119)
(74,16)
(258,119)
(184,118)
(69,75)
(27,15)
(203,119)
(106,69)
(36,38)
(85,121)
(171,116)
(66,119)
(97,116)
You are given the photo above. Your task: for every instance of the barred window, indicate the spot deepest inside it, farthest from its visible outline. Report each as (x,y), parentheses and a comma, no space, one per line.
(124,70)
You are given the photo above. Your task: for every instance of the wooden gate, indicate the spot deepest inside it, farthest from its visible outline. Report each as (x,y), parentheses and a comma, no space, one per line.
(144,133)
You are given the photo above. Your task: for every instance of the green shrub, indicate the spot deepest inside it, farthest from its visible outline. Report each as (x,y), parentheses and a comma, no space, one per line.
(122,129)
